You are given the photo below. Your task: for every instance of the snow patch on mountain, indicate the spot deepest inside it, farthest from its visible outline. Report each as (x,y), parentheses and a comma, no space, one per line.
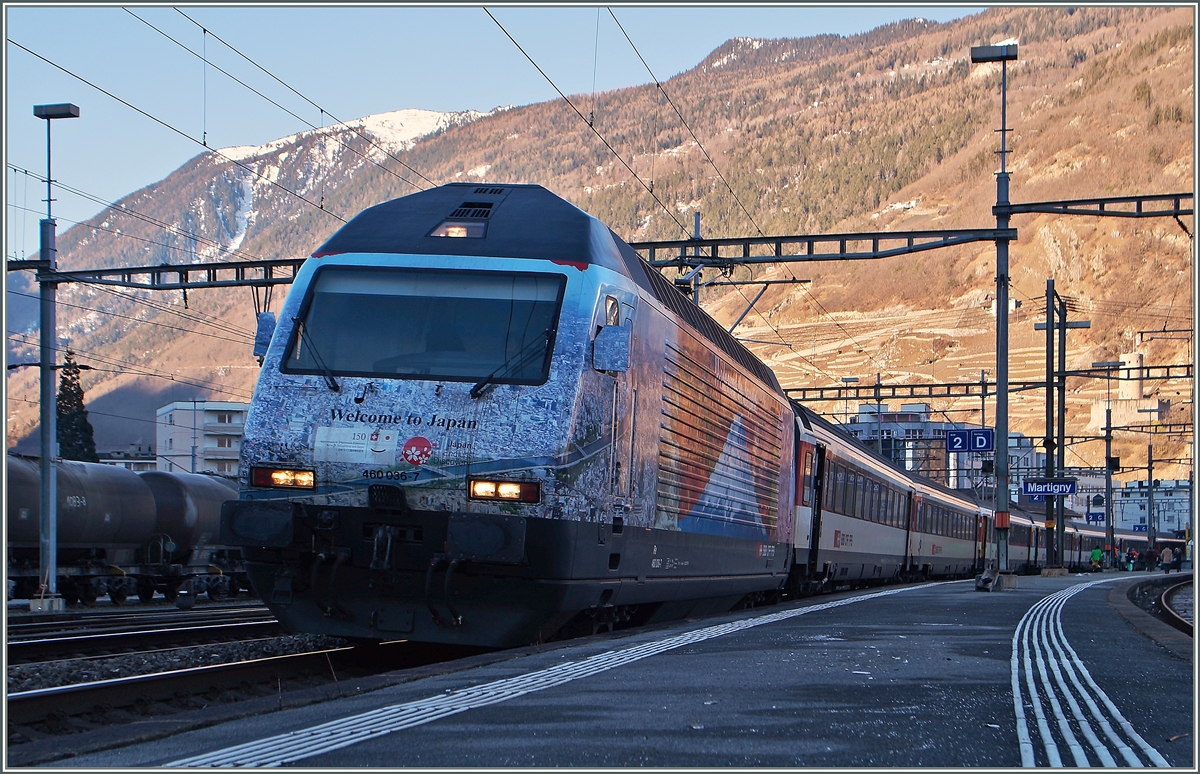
(396,131)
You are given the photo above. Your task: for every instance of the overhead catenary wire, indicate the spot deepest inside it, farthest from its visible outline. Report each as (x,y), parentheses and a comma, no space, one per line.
(126,210)
(324,111)
(92,412)
(194,315)
(685,124)
(114,232)
(311,125)
(809,295)
(243,340)
(137,370)
(583,118)
(178,131)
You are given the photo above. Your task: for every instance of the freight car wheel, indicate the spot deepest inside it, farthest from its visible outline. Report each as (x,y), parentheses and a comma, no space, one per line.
(234,588)
(171,591)
(118,596)
(69,594)
(145,589)
(87,593)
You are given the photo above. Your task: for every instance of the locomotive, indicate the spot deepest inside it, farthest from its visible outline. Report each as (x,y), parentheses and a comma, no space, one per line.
(482,419)
(122,533)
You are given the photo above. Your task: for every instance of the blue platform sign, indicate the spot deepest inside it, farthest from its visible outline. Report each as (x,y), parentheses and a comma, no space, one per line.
(1095,518)
(1048,486)
(958,440)
(1037,498)
(1139,528)
(983,440)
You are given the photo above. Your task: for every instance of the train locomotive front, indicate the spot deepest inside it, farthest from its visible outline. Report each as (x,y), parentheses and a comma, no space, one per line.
(484,420)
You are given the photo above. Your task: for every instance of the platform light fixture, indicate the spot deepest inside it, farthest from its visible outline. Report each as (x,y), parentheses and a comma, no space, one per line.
(1002,54)
(1006,53)
(48,410)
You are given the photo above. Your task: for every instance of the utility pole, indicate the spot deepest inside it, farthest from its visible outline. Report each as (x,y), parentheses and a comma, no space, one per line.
(1056,309)
(49,600)
(848,380)
(193,435)
(1109,528)
(1003,55)
(1151,527)
(878,416)
(1050,442)
(696,253)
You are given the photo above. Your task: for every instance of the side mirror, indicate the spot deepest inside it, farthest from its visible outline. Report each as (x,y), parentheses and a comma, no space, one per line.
(611,348)
(262,336)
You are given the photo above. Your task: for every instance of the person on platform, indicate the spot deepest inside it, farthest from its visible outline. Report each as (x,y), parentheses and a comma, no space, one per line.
(1151,559)
(1178,563)
(1096,555)
(1166,558)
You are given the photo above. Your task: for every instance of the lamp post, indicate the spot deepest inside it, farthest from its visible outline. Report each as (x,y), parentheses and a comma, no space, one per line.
(1109,533)
(47,265)
(1003,55)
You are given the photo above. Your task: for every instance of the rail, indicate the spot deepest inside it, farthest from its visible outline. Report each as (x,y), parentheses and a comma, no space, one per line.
(1170,614)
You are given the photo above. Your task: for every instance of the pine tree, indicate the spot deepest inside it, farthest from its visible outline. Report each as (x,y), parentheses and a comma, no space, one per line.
(76,440)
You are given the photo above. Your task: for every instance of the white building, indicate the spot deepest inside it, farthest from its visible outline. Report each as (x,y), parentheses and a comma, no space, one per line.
(138,458)
(1172,506)
(200,436)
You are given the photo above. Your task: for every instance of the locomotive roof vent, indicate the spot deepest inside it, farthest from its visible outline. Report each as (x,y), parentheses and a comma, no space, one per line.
(473,210)
(489,191)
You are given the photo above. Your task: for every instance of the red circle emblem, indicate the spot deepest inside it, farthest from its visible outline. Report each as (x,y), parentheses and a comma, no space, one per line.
(417,450)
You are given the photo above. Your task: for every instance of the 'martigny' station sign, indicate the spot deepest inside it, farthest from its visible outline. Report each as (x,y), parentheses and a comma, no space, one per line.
(1049,486)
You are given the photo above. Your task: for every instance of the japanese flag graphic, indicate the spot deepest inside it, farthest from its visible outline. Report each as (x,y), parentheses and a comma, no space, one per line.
(417,450)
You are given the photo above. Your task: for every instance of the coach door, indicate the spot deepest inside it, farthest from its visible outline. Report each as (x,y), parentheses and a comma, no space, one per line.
(818,505)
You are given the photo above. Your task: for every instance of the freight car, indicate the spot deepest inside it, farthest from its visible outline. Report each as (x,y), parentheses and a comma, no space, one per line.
(122,533)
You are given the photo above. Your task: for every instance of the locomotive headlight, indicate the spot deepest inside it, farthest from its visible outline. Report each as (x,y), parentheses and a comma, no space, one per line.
(507,491)
(516,491)
(301,479)
(483,490)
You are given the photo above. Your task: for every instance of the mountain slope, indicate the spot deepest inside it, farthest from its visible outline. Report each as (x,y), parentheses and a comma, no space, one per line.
(893,129)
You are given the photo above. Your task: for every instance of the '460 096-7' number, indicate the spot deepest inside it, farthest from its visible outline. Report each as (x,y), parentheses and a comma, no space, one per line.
(392,475)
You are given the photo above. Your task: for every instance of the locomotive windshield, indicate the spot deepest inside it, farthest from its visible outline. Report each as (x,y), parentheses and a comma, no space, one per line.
(428,324)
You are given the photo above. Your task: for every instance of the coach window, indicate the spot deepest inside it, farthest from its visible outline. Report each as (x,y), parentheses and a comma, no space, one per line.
(859,494)
(806,496)
(840,501)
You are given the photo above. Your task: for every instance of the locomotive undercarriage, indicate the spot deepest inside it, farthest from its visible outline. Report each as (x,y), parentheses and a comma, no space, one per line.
(489,579)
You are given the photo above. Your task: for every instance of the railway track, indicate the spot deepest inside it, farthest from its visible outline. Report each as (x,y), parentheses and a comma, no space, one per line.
(106,635)
(1176,604)
(74,708)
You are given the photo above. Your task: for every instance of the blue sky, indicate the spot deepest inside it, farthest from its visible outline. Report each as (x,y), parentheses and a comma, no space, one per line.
(350,61)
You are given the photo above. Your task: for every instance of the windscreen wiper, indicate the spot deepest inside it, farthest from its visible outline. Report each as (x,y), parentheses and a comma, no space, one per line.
(333,385)
(525,354)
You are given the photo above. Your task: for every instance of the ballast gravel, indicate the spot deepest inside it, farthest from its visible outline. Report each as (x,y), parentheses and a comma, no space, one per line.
(30,677)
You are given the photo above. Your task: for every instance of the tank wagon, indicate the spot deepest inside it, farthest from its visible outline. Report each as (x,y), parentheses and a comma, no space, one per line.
(483,419)
(122,533)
